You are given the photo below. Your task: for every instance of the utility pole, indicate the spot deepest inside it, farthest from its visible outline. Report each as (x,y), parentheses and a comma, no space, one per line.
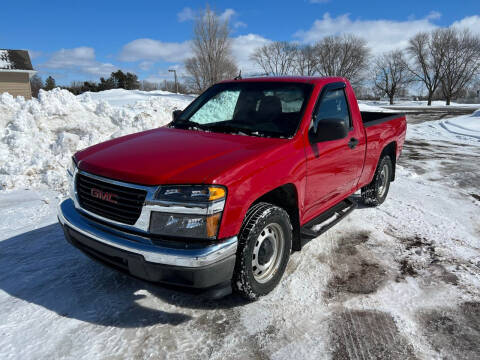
(176,81)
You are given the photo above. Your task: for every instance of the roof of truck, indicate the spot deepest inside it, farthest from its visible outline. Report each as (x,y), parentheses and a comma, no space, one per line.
(305,79)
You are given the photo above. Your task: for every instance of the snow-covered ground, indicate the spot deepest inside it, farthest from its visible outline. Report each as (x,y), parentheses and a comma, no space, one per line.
(420,104)
(464,125)
(394,282)
(121,97)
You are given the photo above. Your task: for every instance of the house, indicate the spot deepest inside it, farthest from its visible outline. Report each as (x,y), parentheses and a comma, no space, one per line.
(15,72)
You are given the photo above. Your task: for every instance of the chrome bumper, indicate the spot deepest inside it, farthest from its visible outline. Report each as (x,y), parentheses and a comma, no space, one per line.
(68,215)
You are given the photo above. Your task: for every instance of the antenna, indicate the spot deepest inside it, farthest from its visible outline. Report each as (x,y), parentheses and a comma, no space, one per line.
(239,76)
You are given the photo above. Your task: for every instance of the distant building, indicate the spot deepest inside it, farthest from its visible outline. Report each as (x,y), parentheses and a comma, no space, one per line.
(15,72)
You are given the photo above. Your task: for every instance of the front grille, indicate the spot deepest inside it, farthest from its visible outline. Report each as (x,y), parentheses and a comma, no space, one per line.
(129,201)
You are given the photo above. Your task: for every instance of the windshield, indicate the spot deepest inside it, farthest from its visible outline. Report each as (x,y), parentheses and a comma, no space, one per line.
(271,109)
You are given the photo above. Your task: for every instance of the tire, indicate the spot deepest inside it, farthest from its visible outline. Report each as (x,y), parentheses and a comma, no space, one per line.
(264,247)
(376,192)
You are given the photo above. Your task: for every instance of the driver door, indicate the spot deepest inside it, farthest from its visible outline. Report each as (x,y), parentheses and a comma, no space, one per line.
(332,165)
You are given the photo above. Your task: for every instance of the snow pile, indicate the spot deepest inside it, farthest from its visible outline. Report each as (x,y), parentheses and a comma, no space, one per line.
(122,97)
(464,125)
(420,104)
(38,137)
(370,108)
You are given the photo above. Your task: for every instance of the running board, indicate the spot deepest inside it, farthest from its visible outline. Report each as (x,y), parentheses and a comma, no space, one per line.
(326,220)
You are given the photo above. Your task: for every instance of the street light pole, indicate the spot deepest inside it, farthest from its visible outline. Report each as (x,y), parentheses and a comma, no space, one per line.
(176,81)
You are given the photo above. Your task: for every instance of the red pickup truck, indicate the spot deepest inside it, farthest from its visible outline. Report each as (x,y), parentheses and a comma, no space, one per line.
(218,198)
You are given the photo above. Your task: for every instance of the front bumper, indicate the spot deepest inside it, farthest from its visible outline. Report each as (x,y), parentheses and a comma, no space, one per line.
(197,267)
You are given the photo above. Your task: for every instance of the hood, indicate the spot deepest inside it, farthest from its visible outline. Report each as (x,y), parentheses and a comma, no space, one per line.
(172,156)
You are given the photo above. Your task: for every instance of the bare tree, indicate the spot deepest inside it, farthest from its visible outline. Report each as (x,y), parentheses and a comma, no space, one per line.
(461,63)
(305,62)
(428,54)
(276,58)
(391,73)
(342,55)
(211,45)
(36,83)
(146,85)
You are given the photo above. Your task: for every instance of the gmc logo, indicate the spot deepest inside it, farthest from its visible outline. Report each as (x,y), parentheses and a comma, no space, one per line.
(103,195)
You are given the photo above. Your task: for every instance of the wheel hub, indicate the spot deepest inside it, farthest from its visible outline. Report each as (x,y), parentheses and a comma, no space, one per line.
(382,180)
(267,252)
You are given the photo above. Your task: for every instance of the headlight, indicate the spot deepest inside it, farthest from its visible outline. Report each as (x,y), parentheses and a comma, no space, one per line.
(185,225)
(192,211)
(194,193)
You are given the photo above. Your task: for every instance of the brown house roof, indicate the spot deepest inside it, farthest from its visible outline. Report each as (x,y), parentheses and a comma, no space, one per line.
(15,60)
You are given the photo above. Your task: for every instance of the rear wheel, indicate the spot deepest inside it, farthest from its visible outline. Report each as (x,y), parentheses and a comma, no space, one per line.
(376,192)
(265,242)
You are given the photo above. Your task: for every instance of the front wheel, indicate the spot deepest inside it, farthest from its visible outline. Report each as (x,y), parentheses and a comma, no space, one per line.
(265,243)
(376,192)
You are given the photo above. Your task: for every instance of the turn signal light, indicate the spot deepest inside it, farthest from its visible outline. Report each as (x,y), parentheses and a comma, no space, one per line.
(213,222)
(216,192)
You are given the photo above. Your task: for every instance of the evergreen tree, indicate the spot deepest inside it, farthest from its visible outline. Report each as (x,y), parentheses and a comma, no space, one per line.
(89,86)
(50,83)
(132,82)
(128,81)
(106,84)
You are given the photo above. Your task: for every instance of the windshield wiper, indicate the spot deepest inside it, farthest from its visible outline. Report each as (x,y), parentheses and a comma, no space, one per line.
(187,124)
(228,129)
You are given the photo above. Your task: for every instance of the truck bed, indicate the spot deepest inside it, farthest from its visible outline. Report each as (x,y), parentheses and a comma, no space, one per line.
(371,118)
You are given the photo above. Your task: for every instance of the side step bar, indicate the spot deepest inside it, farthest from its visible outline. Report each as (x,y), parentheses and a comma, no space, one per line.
(326,220)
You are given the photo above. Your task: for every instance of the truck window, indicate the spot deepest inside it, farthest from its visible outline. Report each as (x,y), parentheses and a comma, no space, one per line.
(271,109)
(333,105)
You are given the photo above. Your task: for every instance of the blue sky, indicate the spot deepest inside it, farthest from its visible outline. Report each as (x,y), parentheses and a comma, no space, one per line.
(83,40)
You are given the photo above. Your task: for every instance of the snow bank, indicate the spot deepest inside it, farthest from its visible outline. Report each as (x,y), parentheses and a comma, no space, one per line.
(370,108)
(122,97)
(38,137)
(420,104)
(468,125)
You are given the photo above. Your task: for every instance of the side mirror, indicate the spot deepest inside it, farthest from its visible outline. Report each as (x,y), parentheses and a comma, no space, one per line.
(328,129)
(176,114)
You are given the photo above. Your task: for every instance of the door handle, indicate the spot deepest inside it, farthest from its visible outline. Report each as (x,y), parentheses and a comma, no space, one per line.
(353,143)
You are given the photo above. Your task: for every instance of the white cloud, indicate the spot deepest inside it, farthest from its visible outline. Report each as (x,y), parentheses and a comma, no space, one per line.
(227,15)
(471,22)
(239,24)
(81,59)
(243,46)
(100,69)
(145,65)
(186,14)
(149,51)
(155,50)
(434,15)
(381,35)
